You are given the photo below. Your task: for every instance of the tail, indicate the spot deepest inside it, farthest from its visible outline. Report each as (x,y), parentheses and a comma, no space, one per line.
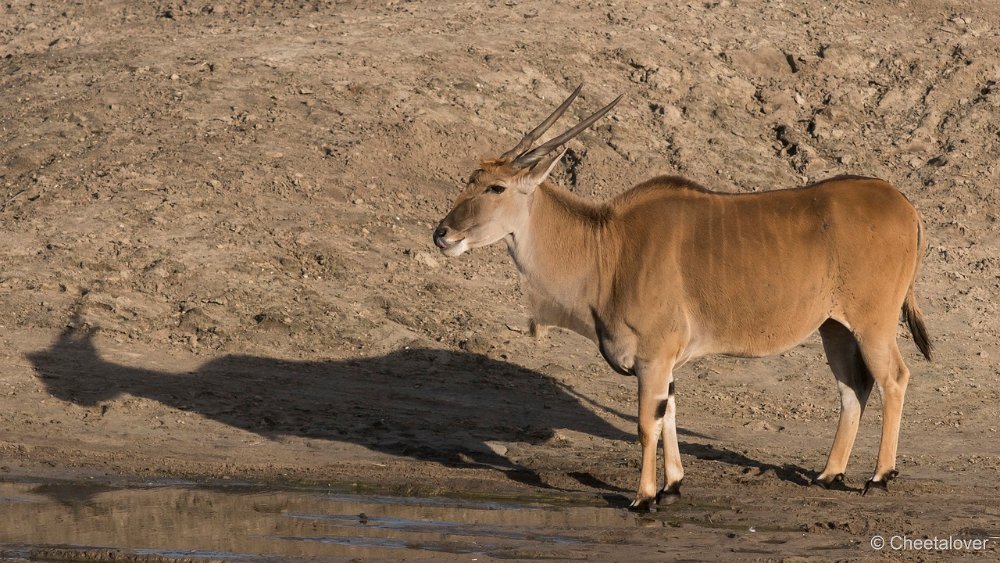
(911,312)
(915,320)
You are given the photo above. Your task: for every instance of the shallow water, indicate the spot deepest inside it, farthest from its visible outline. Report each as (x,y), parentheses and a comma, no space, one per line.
(180,520)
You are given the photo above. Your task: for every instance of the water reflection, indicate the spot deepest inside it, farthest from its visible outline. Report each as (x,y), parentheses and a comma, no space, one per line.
(56,519)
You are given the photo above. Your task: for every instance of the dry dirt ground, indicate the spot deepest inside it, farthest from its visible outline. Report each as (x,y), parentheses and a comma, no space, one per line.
(217,261)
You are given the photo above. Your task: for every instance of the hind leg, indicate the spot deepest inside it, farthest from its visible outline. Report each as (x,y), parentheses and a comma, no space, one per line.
(855,384)
(881,355)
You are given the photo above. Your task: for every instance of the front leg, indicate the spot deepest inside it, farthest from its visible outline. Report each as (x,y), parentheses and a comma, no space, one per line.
(655,403)
(673,470)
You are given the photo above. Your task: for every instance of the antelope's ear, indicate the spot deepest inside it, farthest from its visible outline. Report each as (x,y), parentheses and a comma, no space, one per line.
(531,177)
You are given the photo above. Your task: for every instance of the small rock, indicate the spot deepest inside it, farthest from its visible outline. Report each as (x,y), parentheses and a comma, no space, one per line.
(476,345)
(497,448)
(426,259)
(672,115)
(175,77)
(759,425)
(305,239)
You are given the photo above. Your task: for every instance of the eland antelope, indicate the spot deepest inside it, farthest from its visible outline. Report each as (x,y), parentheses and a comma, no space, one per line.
(669,271)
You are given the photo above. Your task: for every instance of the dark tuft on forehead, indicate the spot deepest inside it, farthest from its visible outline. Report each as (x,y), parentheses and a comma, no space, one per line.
(491,165)
(486,167)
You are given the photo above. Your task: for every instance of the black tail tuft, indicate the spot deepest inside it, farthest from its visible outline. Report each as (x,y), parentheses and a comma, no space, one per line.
(917,328)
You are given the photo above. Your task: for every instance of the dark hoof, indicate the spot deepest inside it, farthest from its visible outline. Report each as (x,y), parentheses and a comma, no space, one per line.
(836,482)
(669,495)
(644,506)
(872,484)
(882,483)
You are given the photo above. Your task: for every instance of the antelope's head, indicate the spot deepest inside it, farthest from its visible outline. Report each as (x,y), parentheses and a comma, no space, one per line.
(496,201)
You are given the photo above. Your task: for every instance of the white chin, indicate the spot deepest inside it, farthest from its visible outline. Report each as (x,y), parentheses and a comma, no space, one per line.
(456,250)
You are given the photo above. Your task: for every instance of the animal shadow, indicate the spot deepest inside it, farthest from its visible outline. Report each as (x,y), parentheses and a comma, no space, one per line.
(434,405)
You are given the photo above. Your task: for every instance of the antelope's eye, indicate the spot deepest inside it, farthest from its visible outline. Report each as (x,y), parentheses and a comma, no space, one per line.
(496,189)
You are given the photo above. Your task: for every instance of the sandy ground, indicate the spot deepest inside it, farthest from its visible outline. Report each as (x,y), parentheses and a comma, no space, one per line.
(217,259)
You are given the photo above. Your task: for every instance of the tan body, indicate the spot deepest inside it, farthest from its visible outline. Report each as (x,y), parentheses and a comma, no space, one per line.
(669,271)
(746,275)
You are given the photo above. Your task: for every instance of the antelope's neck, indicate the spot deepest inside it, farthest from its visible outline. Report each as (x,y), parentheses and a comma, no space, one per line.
(563,253)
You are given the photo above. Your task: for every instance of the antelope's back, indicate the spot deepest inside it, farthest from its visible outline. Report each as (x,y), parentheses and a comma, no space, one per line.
(775,264)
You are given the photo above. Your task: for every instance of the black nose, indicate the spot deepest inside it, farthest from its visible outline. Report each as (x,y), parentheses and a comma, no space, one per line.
(439,234)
